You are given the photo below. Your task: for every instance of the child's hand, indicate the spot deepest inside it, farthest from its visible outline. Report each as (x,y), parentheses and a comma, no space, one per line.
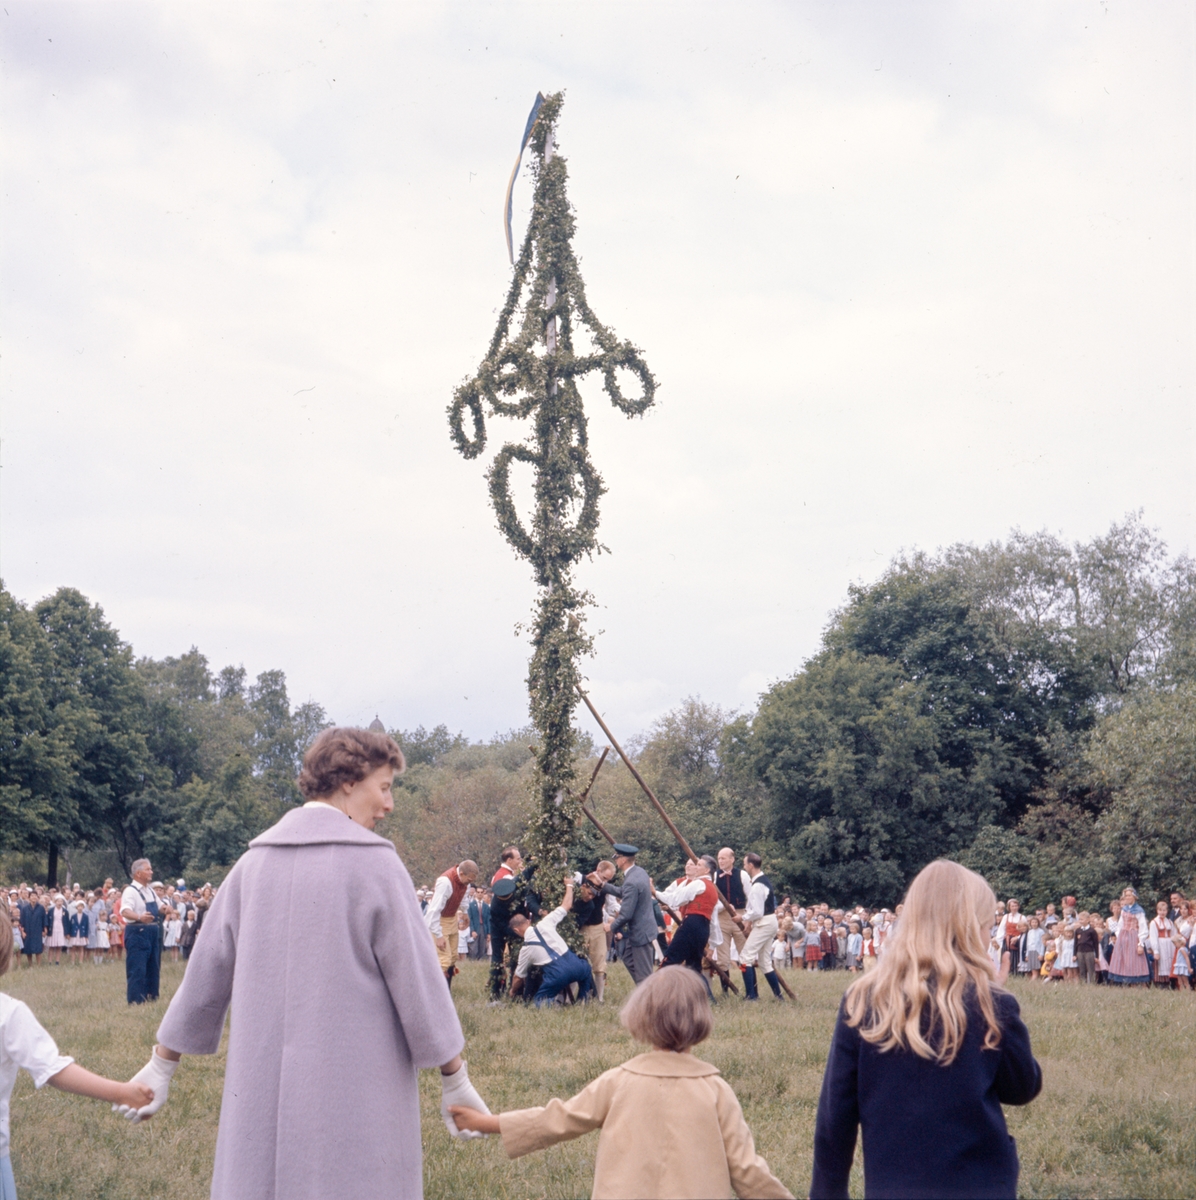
(133,1095)
(473,1121)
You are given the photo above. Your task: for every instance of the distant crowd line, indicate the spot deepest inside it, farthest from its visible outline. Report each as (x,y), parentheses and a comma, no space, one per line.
(76,925)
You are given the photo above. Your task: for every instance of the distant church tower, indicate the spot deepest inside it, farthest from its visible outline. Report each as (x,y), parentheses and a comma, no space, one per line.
(376,726)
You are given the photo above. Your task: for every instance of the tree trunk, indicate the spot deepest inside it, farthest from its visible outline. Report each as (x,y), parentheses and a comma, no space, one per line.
(52,866)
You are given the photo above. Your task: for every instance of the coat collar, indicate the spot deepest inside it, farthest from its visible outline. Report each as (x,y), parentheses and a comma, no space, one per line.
(315,826)
(666,1063)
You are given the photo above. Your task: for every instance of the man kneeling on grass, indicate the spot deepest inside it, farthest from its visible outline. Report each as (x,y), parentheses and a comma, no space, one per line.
(544,947)
(671,1125)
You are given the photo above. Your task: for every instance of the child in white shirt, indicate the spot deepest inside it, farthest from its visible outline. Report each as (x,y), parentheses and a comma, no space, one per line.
(24,1043)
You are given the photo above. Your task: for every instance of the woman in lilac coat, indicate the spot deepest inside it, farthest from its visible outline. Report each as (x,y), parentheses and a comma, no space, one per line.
(320,1089)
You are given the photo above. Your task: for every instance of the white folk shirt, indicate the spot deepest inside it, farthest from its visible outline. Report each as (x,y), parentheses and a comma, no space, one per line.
(756,898)
(133,899)
(23,1043)
(682,892)
(533,954)
(440,897)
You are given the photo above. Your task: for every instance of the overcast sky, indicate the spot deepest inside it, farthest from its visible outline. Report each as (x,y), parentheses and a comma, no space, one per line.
(907,275)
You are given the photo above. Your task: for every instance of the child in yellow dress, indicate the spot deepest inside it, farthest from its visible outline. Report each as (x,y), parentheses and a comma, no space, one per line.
(1049,954)
(671,1125)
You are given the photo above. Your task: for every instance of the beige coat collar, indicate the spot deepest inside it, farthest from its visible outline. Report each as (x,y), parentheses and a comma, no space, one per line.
(666,1063)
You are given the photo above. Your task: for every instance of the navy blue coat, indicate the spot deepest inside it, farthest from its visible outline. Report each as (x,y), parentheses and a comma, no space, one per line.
(34,922)
(78,925)
(929,1131)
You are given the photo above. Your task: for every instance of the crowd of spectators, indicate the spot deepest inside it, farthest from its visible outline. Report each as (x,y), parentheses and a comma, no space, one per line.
(74,925)
(1057,943)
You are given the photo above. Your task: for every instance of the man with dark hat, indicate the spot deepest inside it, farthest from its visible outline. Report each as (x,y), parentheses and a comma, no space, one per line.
(635,928)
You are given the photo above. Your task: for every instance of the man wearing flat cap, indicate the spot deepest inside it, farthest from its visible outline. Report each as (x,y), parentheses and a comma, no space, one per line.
(635,927)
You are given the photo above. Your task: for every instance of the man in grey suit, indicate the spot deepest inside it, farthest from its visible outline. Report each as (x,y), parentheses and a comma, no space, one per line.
(635,926)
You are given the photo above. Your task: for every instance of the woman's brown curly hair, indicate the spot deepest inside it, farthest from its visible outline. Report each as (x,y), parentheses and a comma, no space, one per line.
(345,755)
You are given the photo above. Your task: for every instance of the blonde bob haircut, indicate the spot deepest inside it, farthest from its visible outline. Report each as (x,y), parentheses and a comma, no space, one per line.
(937,954)
(669,1010)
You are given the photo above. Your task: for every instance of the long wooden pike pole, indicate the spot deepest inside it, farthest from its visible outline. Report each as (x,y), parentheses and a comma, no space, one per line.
(664,816)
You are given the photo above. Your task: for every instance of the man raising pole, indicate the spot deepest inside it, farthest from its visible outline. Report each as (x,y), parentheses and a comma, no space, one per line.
(732,888)
(761,925)
(441,914)
(696,899)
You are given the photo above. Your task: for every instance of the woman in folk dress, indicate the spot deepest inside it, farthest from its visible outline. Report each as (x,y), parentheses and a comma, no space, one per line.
(1162,931)
(1128,964)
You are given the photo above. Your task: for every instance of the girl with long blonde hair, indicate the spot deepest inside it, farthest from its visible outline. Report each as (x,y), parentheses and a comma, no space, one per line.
(926,1049)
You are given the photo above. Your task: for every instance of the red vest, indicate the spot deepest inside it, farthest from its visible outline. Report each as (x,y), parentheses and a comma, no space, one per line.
(454,901)
(503,872)
(702,904)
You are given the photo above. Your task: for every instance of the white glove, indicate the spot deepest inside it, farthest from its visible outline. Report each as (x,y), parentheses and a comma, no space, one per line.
(458,1090)
(156,1075)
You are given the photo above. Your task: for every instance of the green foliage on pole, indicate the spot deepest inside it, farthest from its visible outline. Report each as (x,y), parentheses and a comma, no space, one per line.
(531,372)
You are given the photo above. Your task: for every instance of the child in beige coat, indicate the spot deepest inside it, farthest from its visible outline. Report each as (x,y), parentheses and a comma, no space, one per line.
(671,1125)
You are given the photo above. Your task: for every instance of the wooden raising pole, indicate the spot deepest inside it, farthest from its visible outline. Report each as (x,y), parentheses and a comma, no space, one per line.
(664,816)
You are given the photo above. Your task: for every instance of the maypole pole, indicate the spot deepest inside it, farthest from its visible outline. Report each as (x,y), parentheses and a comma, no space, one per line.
(531,372)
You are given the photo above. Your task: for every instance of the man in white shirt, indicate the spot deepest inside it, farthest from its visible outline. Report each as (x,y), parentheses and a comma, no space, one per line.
(143,939)
(761,924)
(441,914)
(544,947)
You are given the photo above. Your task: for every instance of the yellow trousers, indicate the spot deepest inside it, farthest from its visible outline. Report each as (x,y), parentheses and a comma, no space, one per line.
(595,939)
(447,956)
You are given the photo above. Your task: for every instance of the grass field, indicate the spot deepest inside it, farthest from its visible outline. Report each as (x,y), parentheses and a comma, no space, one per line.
(1117,1116)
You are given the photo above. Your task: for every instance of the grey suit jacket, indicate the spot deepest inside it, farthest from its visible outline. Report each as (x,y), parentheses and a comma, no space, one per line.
(636,921)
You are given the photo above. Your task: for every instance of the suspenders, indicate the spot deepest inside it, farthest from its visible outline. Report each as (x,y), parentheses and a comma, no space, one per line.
(552,954)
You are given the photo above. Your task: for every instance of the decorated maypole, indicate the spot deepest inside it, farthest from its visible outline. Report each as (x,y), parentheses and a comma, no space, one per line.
(531,371)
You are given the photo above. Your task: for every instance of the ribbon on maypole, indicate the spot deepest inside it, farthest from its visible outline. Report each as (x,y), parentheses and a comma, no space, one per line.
(506,208)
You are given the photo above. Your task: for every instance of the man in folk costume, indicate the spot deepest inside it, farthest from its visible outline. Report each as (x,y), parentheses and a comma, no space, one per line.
(761,923)
(695,898)
(544,947)
(441,914)
(732,886)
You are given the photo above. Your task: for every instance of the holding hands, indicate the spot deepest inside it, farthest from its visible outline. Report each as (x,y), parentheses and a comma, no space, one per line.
(148,1089)
(458,1095)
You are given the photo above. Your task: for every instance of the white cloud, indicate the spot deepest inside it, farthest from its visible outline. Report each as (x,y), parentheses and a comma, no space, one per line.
(906,277)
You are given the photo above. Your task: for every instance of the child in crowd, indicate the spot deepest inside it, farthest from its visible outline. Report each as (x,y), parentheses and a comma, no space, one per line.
(926,1050)
(868,947)
(1065,961)
(1030,956)
(18,939)
(1049,954)
(1181,964)
(671,1125)
(172,928)
(855,947)
(103,925)
(24,1043)
(813,944)
(78,928)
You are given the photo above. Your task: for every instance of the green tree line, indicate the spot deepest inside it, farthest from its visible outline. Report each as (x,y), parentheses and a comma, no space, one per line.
(1028,707)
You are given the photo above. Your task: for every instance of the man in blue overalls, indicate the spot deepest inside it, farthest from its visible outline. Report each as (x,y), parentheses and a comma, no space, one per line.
(143,938)
(544,947)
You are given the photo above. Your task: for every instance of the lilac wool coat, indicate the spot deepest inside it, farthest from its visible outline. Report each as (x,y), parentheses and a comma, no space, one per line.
(316,941)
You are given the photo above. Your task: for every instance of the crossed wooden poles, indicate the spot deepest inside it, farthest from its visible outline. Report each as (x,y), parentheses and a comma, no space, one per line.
(664,816)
